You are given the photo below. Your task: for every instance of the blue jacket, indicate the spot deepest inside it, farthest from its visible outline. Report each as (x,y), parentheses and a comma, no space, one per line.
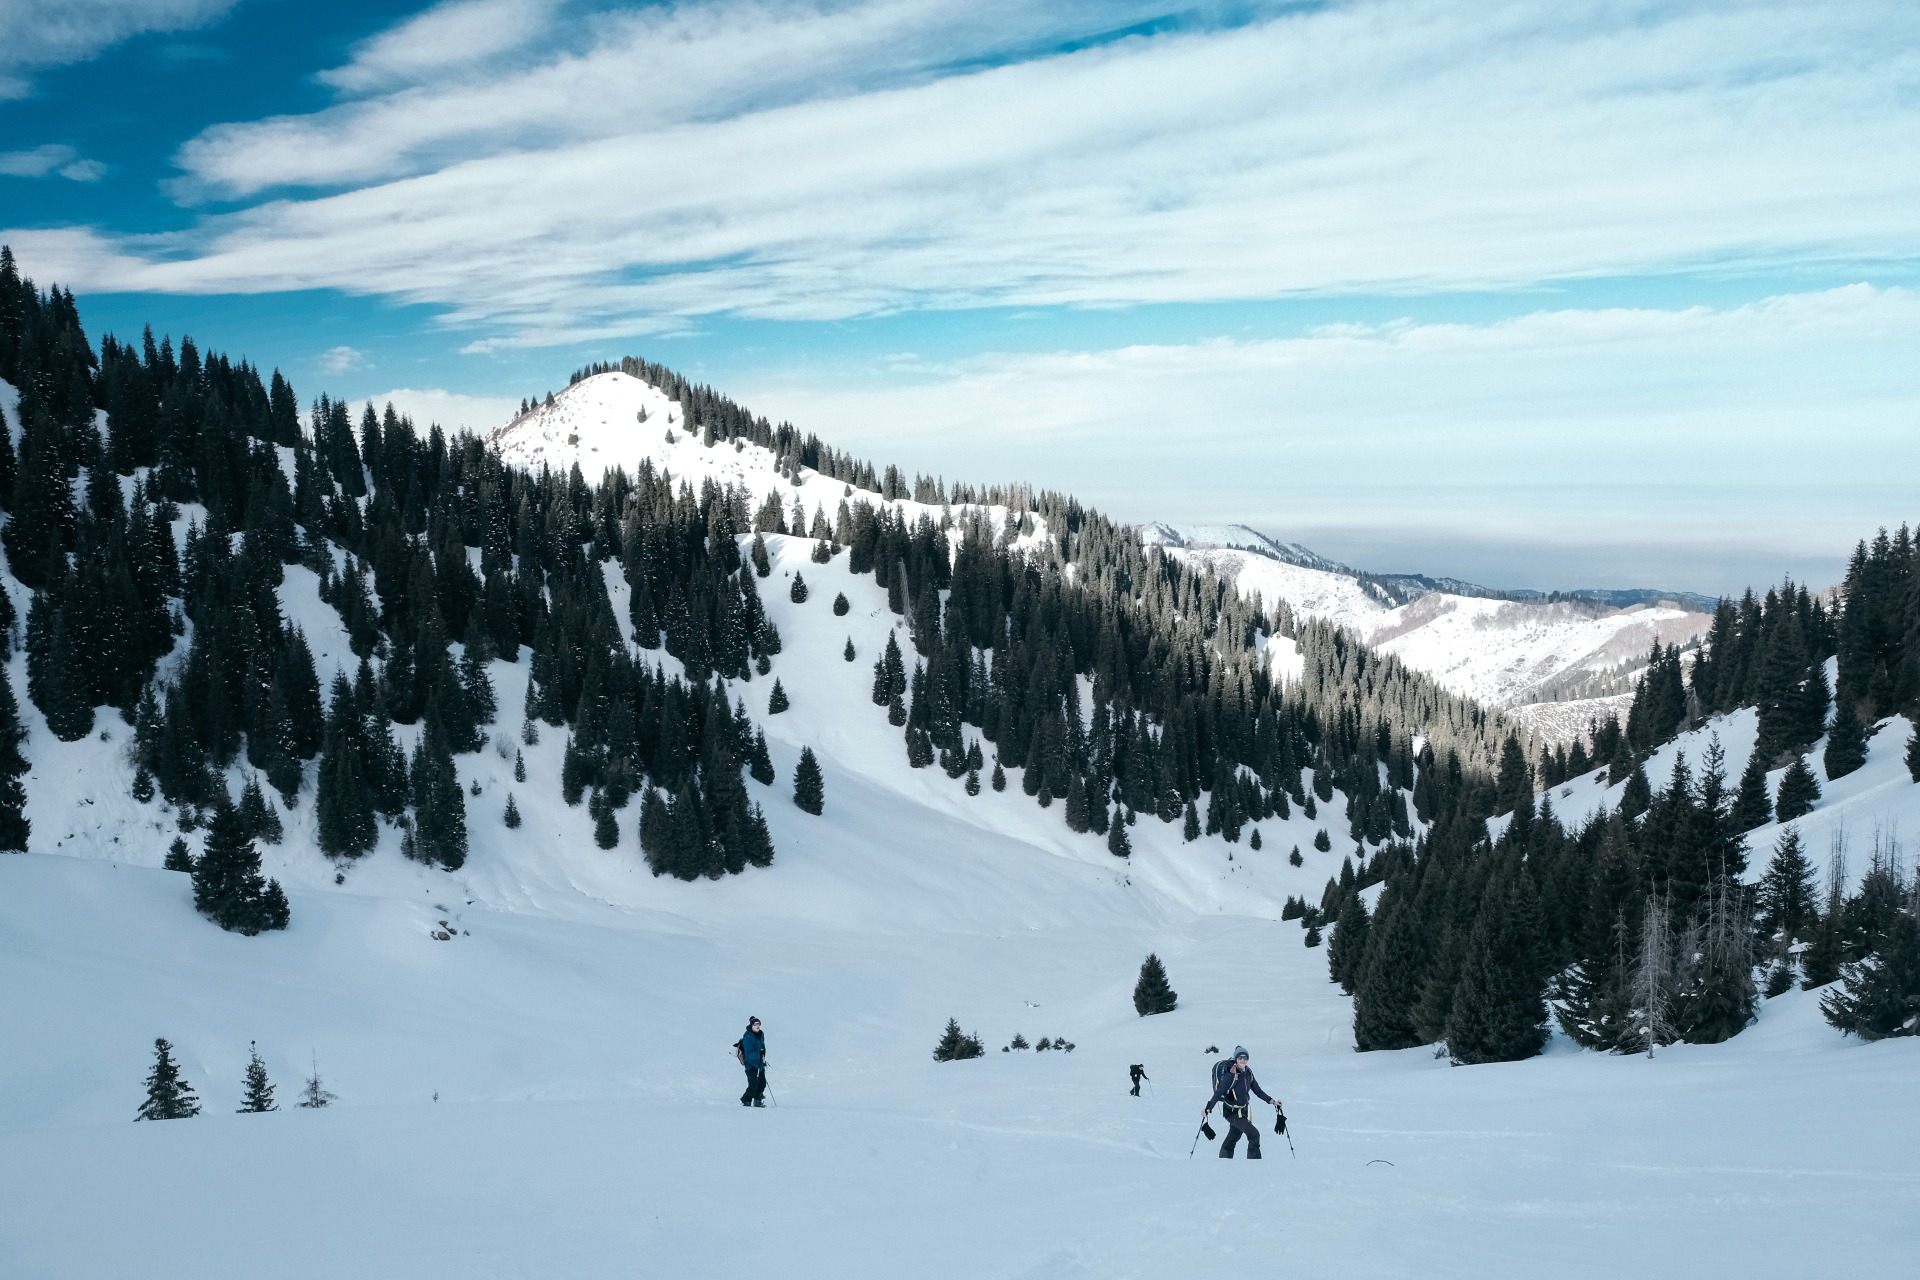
(753,1050)
(1235,1086)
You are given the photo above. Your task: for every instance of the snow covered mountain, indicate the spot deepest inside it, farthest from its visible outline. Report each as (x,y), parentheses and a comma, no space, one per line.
(1551,664)
(530,1051)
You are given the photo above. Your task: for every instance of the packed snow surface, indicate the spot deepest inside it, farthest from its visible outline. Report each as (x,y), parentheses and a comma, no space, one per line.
(549,1090)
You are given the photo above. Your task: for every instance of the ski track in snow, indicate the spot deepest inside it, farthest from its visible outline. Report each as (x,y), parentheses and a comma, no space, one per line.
(575,1032)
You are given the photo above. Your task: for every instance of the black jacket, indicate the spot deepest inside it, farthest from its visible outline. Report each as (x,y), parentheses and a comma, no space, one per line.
(1235,1086)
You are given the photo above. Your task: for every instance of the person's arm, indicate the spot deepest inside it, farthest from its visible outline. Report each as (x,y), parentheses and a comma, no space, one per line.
(1254,1085)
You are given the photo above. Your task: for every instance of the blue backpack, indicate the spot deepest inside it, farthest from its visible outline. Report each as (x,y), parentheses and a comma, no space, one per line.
(1221,1069)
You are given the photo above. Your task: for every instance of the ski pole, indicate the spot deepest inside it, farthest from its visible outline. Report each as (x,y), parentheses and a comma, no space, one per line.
(1286,1133)
(1196,1138)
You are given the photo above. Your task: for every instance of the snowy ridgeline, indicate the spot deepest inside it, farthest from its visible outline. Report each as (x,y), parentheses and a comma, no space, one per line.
(531,1053)
(1553,666)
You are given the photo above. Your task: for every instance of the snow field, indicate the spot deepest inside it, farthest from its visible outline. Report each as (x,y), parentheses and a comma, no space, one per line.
(575,1029)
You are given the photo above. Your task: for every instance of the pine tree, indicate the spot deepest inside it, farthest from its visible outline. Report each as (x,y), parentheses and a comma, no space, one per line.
(1879,996)
(1321,841)
(1785,899)
(1846,743)
(1117,842)
(998,780)
(809,789)
(1798,791)
(840,610)
(777,700)
(169,1096)
(798,592)
(1349,941)
(512,816)
(1151,992)
(762,567)
(1190,826)
(313,1094)
(1913,755)
(1388,982)
(1253,839)
(956,1045)
(1498,1014)
(178,857)
(519,766)
(1752,807)
(227,885)
(847,652)
(15,829)
(439,809)
(1715,996)
(259,1092)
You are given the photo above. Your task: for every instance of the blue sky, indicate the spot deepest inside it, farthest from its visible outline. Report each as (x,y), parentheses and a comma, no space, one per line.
(1586,293)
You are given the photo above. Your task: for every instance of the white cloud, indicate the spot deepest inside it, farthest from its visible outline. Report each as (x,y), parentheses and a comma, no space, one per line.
(444,38)
(450,409)
(1388,146)
(338,360)
(52,33)
(53,158)
(1784,424)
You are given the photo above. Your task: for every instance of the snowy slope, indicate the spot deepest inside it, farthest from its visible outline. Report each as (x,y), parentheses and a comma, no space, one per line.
(1552,665)
(548,1092)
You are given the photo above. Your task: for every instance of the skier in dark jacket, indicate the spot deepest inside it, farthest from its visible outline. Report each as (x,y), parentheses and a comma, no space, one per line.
(1138,1073)
(751,1050)
(1237,1087)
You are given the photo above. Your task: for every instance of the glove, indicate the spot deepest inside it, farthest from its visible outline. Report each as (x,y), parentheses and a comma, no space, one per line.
(1206,1130)
(1279,1120)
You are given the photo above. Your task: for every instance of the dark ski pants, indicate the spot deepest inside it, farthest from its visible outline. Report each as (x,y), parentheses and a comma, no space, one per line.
(1237,1124)
(757,1089)
(1136,1088)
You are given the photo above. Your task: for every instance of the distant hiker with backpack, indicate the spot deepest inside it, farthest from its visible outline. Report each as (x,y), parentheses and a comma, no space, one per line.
(1233,1083)
(1138,1073)
(751,1050)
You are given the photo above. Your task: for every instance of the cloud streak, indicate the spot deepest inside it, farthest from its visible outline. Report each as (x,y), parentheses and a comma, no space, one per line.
(1395,146)
(54,158)
(52,33)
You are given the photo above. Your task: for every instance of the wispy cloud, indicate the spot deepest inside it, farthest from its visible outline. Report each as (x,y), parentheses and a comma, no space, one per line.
(339,360)
(1785,423)
(821,163)
(445,38)
(52,33)
(54,158)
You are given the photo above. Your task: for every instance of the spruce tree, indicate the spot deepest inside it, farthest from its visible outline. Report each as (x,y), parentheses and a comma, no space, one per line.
(1349,941)
(169,1096)
(1151,991)
(15,829)
(1715,995)
(1913,755)
(759,760)
(1785,899)
(227,885)
(1388,982)
(848,652)
(956,1045)
(809,789)
(1322,842)
(512,816)
(840,610)
(259,1091)
(798,592)
(1498,1014)
(1879,996)
(777,700)
(178,857)
(998,779)
(439,809)
(1117,842)
(1752,806)
(1190,825)
(1846,742)
(762,567)
(1798,791)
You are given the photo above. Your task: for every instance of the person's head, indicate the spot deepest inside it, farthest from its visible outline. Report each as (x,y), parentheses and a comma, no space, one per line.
(1239,1058)
(753,1024)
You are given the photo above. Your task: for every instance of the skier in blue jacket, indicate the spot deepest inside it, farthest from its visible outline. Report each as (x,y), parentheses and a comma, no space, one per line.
(1235,1087)
(751,1050)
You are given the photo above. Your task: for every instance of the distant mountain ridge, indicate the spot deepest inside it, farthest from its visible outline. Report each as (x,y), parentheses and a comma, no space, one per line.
(1395,589)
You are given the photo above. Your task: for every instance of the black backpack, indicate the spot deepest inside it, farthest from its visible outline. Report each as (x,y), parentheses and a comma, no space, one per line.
(1220,1072)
